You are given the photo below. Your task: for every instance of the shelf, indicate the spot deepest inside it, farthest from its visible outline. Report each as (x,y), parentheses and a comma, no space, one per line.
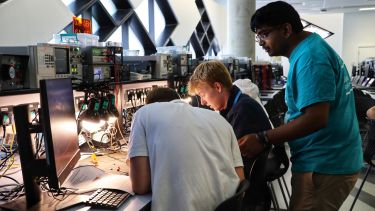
(121,15)
(200,28)
(165,34)
(104,20)
(170,42)
(166,10)
(205,25)
(69,28)
(142,34)
(102,17)
(204,17)
(205,44)
(215,46)
(122,4)
(105,32)
(200,36)
(199,3)
(204,35)
(210,34)
(201,11)
(77,7)
(197,46)
(18,92)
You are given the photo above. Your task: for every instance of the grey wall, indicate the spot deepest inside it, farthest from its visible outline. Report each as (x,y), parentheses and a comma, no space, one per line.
(25,22)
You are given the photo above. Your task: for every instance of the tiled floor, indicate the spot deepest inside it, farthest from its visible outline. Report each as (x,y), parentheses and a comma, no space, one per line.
(365,202)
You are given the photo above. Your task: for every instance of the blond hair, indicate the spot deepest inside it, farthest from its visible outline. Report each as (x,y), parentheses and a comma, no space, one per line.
(210,72)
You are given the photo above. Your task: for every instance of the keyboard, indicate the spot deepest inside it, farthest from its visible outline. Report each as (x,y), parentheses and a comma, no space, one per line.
(107,198)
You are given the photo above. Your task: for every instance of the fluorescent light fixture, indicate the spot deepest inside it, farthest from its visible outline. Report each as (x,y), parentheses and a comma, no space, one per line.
(366,8)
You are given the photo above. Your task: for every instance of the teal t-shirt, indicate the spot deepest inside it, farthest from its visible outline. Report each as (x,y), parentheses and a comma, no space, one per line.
(317,74)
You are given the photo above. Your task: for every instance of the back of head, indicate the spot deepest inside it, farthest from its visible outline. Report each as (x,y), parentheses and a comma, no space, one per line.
(248,87)
(275,14)
(210,72)
(161,94)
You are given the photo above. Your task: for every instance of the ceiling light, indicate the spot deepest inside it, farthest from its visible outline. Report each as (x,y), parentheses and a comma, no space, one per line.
(366,8)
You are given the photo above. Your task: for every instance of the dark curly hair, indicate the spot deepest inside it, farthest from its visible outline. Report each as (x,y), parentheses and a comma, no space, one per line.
(274,14)
(161,94)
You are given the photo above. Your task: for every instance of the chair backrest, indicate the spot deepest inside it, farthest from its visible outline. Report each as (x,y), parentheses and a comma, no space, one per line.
(363,102)
(369,151)
(277,162)
(234,203)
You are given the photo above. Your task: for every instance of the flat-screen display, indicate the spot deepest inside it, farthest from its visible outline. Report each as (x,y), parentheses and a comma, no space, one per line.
(62,61)
(60,128)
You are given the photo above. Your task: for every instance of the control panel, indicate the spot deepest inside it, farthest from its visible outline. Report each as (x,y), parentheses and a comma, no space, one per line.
(163,66)
(101,63)
(57,61)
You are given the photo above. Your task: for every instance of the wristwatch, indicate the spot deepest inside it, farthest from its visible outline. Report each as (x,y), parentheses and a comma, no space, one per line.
(262,138)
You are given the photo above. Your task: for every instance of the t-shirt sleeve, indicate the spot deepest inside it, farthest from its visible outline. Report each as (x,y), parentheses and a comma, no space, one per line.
(315,82)
(236,154)
(137,141)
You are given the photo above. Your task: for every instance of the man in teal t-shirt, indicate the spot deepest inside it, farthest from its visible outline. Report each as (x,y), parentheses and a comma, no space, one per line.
(321,125)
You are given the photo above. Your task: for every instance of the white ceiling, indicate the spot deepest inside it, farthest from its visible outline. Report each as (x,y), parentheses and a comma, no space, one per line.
(324,6)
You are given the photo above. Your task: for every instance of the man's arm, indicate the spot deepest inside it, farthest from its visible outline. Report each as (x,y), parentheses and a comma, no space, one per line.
(314,117)
(140,174)
(240,173)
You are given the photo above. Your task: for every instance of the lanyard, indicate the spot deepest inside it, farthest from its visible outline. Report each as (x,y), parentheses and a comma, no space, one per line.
(237,97)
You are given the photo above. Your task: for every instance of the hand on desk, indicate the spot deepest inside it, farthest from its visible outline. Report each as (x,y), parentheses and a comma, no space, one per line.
(250,146)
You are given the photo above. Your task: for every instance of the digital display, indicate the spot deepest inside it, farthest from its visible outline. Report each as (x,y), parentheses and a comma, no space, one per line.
(62,60)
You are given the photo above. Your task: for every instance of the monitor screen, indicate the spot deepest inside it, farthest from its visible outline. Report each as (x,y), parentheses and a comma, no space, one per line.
(62,60)
(60,128)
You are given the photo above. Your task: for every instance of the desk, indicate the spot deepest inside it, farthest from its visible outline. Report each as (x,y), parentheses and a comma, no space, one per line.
(111,163)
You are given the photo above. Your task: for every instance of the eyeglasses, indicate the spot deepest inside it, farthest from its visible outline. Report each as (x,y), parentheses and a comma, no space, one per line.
(264,35)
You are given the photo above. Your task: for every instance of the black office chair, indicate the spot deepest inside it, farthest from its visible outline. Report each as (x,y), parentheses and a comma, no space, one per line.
(258,196)
(277,166)
(363,102)
(234,203)
(368,155)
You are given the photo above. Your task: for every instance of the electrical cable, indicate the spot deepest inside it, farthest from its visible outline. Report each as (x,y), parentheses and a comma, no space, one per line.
(11,151)
(122,136)
(11,178)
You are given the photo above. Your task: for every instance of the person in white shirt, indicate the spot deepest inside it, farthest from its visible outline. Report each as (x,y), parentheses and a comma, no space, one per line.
(187,156)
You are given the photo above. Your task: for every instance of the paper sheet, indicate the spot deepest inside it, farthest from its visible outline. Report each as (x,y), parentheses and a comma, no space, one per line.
(89,178)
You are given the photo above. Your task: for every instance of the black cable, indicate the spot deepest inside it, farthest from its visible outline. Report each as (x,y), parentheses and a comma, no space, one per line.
(11,178)
(104,134)
(10,173)
(13,193)
(7,185)
(4,160)
(4,132)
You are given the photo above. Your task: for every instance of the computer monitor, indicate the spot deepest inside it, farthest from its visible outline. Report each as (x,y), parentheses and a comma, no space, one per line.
(59,127)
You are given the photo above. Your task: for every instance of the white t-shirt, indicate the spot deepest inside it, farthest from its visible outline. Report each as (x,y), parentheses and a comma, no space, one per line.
(193,153)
